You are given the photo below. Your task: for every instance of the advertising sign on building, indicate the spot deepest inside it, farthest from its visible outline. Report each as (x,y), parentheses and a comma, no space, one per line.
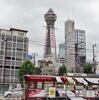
(90,93)
(97,93)
(37,93)
(80,93)
(52,38)
(53,44)
(70,93)
(52,92)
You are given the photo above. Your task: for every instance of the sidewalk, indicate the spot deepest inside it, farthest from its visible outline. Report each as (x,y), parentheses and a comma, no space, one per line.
(1,97)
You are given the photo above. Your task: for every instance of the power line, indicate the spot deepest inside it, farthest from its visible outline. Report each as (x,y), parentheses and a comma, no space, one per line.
(57,46)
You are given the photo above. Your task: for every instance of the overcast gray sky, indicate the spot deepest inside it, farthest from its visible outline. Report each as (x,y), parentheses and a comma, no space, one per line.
(29,15)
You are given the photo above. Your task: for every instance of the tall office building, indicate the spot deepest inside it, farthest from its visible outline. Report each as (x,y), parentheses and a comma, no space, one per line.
(50,44)
(80,46)
(75,43)
(70,45)
(13,51)
(61,56)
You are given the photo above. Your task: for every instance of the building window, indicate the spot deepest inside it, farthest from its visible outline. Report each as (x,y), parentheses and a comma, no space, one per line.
(2,43)
(17,67)
(26,40)
(19,59)
(13,53)
(0,67)
(31,85)
(20,46)
(9,44)
(39,85)
(14,38)
(8,57)
(9,38)
(3,36)
(20,39)
(7,67)
(13,58)
(47,85)
(14,45)
(1,62)
(21,34)
(1,52)
(25,55)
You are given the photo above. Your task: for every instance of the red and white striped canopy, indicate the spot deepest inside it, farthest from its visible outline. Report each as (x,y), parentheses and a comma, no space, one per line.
(80,80)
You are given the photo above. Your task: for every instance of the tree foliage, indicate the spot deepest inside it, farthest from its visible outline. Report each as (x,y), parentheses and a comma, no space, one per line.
(62,70)
(87,68)
(26,68)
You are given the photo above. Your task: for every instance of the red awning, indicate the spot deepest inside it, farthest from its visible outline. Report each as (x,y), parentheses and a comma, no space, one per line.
(58,79)
(64,79)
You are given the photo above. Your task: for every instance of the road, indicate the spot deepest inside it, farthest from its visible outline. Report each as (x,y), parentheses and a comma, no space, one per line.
(2,98)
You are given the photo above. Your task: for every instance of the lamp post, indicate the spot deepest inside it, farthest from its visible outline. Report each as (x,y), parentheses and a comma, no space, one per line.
(5,42)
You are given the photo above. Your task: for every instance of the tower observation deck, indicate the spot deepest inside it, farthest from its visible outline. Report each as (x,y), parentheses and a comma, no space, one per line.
(50,43)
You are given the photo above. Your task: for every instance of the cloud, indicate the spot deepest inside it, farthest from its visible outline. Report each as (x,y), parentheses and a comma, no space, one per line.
(29,15)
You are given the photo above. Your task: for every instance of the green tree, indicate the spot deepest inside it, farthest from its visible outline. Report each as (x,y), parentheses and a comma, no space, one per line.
(87,68)
(62,70)
(26,68)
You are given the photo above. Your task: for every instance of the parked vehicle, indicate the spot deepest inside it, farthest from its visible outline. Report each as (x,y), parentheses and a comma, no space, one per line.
(17,92)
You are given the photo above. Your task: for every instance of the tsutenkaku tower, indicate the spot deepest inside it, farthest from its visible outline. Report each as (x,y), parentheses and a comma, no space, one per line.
(50,43)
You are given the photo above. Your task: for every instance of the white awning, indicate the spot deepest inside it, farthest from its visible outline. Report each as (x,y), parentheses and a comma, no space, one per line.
(81,80)
(58,79)
(70,80)
(93,80)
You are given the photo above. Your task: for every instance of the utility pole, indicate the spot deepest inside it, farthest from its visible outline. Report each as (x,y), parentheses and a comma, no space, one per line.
(94,61)
(5,42)
(77,58)
(34,57)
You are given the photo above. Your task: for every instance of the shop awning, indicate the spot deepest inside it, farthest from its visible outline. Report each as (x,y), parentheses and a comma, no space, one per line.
(70,80)
(92,80)
(81,80)
(58,79)
(64,79)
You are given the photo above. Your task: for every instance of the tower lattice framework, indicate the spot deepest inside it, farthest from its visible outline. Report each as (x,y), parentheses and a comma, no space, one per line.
(50,43)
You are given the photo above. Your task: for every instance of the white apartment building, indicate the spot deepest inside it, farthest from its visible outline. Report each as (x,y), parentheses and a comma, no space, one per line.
(13,51)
